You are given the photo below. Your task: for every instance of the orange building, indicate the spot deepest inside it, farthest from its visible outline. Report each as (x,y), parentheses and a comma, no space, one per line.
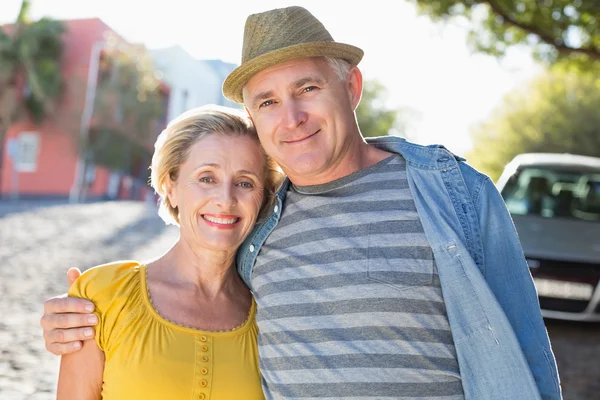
(47,155)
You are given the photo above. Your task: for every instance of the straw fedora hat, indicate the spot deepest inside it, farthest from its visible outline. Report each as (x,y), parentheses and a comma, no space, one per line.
(276,36)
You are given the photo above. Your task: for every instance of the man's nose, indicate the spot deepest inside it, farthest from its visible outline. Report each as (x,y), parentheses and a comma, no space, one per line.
(294,115)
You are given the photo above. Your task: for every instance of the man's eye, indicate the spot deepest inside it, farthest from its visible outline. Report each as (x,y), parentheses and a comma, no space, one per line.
(266,103)
(309,89)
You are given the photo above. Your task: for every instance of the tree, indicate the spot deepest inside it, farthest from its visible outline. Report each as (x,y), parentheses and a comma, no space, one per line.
(130,94)
(557,29)
(374,117)
(30,54)
(129,111)
(557,112)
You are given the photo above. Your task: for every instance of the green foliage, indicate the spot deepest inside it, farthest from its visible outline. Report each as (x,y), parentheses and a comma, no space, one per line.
(32,50)
(111,149)
(7,55)
(557,113)
(372,114)
(129,101)
(557,29)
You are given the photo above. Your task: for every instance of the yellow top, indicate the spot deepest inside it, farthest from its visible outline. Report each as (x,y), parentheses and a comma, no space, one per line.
(149,357)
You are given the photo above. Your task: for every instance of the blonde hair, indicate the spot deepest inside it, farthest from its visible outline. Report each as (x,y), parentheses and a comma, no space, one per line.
(173,146)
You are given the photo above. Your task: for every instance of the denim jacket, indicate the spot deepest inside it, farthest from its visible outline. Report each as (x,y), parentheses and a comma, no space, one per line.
(501,342)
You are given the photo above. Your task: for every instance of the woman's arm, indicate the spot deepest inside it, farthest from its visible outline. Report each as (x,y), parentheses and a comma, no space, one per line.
(81,373)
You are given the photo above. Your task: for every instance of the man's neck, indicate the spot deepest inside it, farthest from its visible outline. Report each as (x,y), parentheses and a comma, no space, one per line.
(359,157)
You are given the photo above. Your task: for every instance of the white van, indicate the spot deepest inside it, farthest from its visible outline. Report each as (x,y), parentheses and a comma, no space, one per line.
(554,200)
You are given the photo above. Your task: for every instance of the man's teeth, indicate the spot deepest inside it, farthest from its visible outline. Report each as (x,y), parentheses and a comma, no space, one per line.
(228,221)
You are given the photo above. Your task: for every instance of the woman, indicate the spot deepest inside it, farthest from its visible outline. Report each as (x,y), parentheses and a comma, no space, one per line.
(182,326)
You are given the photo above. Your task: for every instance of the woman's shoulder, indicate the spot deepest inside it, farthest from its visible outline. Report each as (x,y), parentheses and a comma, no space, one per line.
(114,288)
(107,281)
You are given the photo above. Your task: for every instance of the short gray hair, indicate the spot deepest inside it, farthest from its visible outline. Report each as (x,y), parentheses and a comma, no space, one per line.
(340,66)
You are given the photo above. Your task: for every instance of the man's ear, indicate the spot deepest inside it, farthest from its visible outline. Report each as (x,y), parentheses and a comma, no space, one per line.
(354,85)
(249,115)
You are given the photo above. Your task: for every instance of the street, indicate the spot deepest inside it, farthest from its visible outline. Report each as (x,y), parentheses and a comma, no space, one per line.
(38,245)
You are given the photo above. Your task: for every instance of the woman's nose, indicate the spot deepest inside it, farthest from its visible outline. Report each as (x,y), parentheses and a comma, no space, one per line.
(226,197)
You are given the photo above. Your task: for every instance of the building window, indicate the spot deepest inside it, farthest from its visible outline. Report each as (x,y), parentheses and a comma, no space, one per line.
(28,144)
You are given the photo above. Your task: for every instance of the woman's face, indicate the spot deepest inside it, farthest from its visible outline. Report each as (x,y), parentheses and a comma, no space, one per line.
(219,191)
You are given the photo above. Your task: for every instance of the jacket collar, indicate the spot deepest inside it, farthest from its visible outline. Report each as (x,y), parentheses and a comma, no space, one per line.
(432,157)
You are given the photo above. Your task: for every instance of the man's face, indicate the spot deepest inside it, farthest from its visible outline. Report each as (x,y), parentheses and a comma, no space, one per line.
(304,115)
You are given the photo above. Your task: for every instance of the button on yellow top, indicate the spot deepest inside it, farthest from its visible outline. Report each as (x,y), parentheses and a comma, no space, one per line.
(204,359)
(204,383)
(203,338)
(205,348)
(202,396)
(204,371)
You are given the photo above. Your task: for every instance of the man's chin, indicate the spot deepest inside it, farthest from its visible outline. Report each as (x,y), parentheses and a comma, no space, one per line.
(307,169)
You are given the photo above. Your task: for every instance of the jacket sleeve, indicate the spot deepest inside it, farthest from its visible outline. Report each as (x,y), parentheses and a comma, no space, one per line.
(508,276)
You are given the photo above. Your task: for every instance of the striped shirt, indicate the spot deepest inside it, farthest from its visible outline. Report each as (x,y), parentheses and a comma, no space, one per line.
(349,301)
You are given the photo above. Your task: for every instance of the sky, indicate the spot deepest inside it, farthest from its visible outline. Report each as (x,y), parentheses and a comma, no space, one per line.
(426,67)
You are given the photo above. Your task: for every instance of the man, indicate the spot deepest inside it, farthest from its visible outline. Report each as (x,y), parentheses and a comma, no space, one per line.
(387,269)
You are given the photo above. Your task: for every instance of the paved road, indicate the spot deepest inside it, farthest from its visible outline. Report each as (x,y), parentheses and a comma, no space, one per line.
(38,244)
(36,248)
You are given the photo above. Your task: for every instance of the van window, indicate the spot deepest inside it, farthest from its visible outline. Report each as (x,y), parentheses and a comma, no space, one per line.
(554,192)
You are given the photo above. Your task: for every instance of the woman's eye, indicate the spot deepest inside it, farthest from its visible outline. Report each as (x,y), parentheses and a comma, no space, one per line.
(206,179)
(246,185)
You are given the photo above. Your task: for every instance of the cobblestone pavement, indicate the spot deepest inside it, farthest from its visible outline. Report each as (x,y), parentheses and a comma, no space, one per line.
(36,249)
(38,244)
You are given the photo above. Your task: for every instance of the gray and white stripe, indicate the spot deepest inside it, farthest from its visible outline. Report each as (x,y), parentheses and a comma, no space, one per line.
(349,301)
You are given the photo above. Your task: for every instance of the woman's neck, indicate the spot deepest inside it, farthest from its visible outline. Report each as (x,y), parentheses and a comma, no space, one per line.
(207,272)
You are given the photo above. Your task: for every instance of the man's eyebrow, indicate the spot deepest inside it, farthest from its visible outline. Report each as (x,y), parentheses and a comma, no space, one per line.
(309,79)
(261,96)
(296,85)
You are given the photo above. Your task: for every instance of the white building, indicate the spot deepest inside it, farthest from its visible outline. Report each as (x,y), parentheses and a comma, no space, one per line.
(193,82)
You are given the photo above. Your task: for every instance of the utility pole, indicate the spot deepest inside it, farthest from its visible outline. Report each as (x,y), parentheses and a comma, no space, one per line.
(86,118)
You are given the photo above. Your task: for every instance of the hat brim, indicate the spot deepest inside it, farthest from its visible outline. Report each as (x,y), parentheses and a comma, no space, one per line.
(235,81)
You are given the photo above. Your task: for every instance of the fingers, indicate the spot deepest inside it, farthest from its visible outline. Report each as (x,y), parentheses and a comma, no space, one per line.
(68,336)
(63,348)
(67,305)
(65,341)
(72,275)
(66,321)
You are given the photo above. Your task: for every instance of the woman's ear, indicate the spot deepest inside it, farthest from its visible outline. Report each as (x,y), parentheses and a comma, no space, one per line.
(171,193)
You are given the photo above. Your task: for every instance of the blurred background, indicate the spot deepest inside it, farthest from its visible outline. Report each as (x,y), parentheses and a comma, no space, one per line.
(87,86)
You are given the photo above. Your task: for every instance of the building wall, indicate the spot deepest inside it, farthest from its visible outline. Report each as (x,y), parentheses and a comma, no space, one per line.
(193,82)
(52,173)
(56,159)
